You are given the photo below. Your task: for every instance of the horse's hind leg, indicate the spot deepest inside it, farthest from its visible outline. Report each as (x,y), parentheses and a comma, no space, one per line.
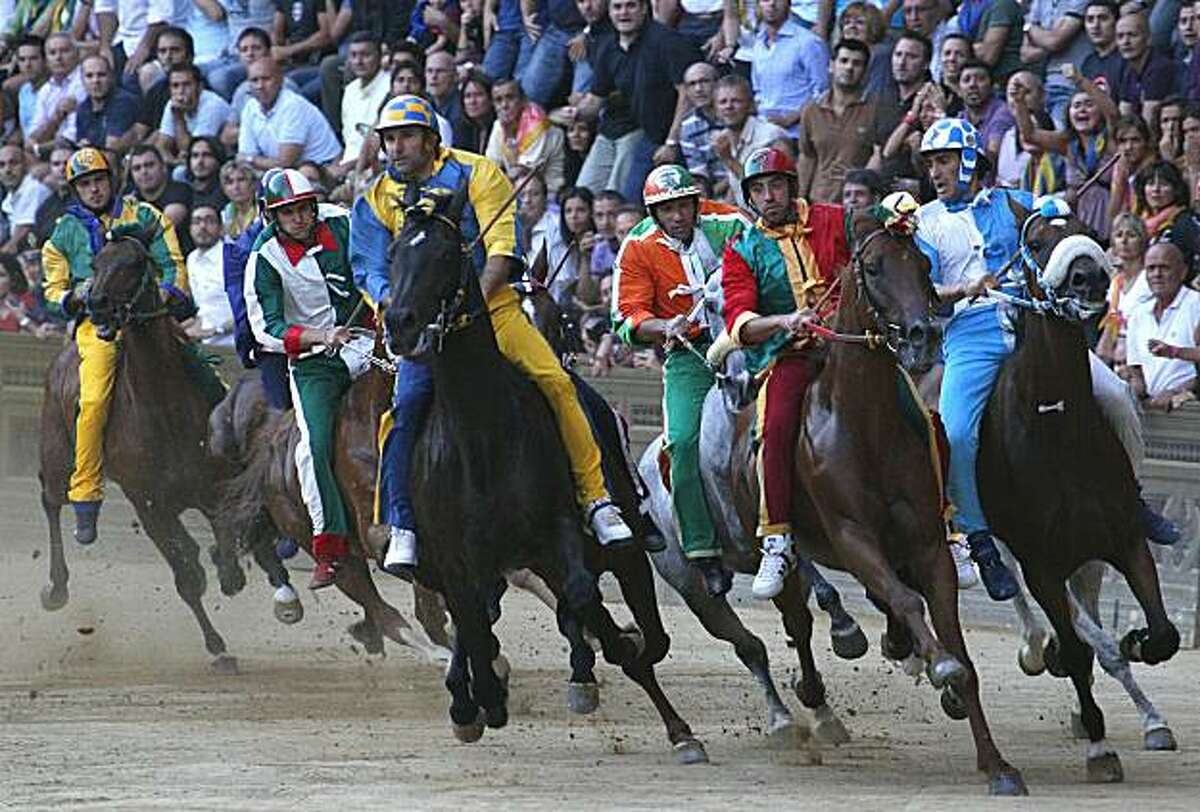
(1160,641)
(845,635)
(583,692)
(940,584)
(473,636)
(354,580)
(792,604)
(1031,656)
(430,612)
(1103,763)
(55,594)
(287,606)
(1085,596)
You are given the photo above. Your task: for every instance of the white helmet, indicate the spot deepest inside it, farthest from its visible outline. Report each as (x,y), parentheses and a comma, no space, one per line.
(958,135)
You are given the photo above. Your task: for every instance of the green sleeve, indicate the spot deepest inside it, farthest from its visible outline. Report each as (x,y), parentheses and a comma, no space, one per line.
(268,290)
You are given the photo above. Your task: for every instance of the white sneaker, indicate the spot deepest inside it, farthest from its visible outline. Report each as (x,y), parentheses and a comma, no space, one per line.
(401,551)
(963,565)
(606,522)
(778,559)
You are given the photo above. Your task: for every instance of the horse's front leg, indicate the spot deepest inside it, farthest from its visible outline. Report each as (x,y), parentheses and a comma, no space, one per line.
(55,594)
(792,604)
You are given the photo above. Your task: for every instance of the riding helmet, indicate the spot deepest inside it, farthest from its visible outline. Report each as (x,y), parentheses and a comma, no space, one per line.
(407,111)
(668,182)
(954,135)
(86,161)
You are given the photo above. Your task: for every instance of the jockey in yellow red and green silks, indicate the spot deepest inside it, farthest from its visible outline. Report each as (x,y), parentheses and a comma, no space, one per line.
(82,231)
(408,129)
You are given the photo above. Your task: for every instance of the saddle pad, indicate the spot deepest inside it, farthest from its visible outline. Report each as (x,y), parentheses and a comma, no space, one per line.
(927,425)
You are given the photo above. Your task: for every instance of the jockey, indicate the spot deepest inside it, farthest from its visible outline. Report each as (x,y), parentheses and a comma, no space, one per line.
(772,275)
(969,234)
(301,300)
(665,258)
(408,129)
(67,261)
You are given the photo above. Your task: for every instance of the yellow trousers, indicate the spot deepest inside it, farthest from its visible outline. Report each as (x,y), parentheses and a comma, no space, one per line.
(525,347)
(97,374)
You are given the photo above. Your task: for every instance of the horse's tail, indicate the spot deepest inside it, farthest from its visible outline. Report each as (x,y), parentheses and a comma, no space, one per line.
(243,498)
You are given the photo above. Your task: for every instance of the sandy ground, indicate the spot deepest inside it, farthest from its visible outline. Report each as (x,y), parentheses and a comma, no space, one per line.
(109,704)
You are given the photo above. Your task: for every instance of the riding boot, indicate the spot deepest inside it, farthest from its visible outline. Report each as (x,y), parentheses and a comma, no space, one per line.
(1157,527)
(778,560)
(401,556)
(963,566)
(86,514)
(605,520)
(717,579)
(329,551)
(1000,584)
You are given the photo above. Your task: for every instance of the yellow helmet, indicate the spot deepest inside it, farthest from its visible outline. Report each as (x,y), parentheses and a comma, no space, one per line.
(86,161)
(407,111)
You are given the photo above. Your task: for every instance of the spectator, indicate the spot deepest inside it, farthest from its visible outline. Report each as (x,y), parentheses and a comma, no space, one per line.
(523,138)
(789,66)
(537,221)
(479,113)
(1163,335)
(1133,143)
(604,215)
(956,52)
(433,25)
(932,19)
(23,194)
(928,107)
(743,132)
(385,20)
(151,183)
(47,323)
(213,323)
(983,108)
(1184,48)
(698,127)
(864,22)
(192,112)
(507,50)
(699,21)
(363,97)
(205,157)
(470,33)
(835,130)
(995,28)
(1189,160)
(910,72)
(210,33)
(1054,37)
(1086,145)
(238,182)
(861,190)
(1128,290)
(253,45)
(54,205)
(582,46)
(441,88)
(279,127)
(1151,76)
(57,99)
(1103,64)
(1020,164)
(638,70)
(174,49)
(229,70)
(569,246)
(547,75)
(1165,205)
(129,32)
(30,76)
(581,134)
(108,118)
(14,306)
(299,39)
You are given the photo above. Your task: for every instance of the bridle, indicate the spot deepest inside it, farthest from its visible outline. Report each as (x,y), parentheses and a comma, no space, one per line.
(120,315)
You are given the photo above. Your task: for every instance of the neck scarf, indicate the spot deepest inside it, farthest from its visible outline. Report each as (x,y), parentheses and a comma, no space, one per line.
(531,127)
(1157,223)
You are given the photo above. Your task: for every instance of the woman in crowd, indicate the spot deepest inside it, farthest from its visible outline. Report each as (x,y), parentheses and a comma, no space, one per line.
(864,22)
(1165,205)
(1087,146)
(471,132)
(569,248)
(580,135)
(1020,164)
(535,218)
(1128,288)
(1135,146)
(238,181)
(956,52)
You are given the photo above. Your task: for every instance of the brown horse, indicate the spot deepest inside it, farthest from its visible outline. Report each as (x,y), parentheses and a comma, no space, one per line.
(263,500)
(1055,482)
(875,508)
(155,439)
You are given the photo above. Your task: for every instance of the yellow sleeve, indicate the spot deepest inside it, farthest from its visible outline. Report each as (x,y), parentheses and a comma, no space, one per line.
(56,274)
(489,190)
(168,255)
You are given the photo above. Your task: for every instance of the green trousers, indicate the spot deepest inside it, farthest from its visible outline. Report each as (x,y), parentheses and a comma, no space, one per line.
(686,381)
(318,384)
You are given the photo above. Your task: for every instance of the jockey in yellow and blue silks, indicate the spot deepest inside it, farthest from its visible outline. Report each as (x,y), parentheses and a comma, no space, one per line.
(409,132)
(969,234)
(67,265)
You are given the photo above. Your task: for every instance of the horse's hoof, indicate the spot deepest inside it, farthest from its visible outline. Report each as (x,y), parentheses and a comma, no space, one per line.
(496,717)
(1161,738)
(583,697)
(784,735)
(849,644)
(1008,783)
(470,733)
(288,608)
(895,650)
(945,669)
(366,634)
(913,666)
(1030,659)
(690,751)
(953,704)
(225,665)
(1105,769)
(829,729)
(1078,731)
(54,598)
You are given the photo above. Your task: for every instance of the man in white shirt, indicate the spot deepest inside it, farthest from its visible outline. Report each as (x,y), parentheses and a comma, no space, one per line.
(54,111)
(281,128)
(129,30)
(1163,335)
(363,97)
(743,132)
(213,323)
(192,112)
(23,194)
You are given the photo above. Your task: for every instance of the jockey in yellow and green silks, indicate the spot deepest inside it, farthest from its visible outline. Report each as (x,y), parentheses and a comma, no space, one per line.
(67,265)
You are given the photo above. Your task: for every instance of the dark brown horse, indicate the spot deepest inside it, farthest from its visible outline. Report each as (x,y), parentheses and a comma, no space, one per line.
(1055,482)
(155,438)
(875,493)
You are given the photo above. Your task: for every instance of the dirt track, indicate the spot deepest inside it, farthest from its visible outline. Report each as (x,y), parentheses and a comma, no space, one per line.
(108,703)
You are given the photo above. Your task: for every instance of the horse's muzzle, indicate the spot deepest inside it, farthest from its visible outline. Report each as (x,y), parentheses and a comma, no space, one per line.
(1086,282)
(917,349)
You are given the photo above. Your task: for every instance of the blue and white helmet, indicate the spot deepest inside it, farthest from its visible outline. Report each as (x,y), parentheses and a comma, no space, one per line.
(959,135)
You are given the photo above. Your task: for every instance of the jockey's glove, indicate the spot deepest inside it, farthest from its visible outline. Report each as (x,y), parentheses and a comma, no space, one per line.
(76,300)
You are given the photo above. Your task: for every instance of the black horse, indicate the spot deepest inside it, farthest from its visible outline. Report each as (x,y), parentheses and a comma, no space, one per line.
(1055,482)
(492,490)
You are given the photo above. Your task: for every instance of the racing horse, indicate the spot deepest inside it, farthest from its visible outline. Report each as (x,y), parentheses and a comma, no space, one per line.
(1055,483)
(492,491)
(156,436)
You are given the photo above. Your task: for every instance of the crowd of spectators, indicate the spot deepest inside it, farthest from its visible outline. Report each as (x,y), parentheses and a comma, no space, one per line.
(1094,100)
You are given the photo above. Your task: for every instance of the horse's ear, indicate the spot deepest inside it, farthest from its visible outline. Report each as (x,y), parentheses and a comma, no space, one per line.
(537,270)
(1019,211)
(145,234)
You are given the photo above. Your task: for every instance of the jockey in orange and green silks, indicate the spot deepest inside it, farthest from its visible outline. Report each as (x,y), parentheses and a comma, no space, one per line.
(67,263)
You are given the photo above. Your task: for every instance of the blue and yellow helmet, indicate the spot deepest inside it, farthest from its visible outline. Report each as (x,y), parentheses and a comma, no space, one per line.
(954,135)
(407,111)
(86,161)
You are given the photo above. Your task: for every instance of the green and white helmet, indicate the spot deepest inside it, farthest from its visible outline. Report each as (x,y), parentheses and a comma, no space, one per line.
(286,187)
